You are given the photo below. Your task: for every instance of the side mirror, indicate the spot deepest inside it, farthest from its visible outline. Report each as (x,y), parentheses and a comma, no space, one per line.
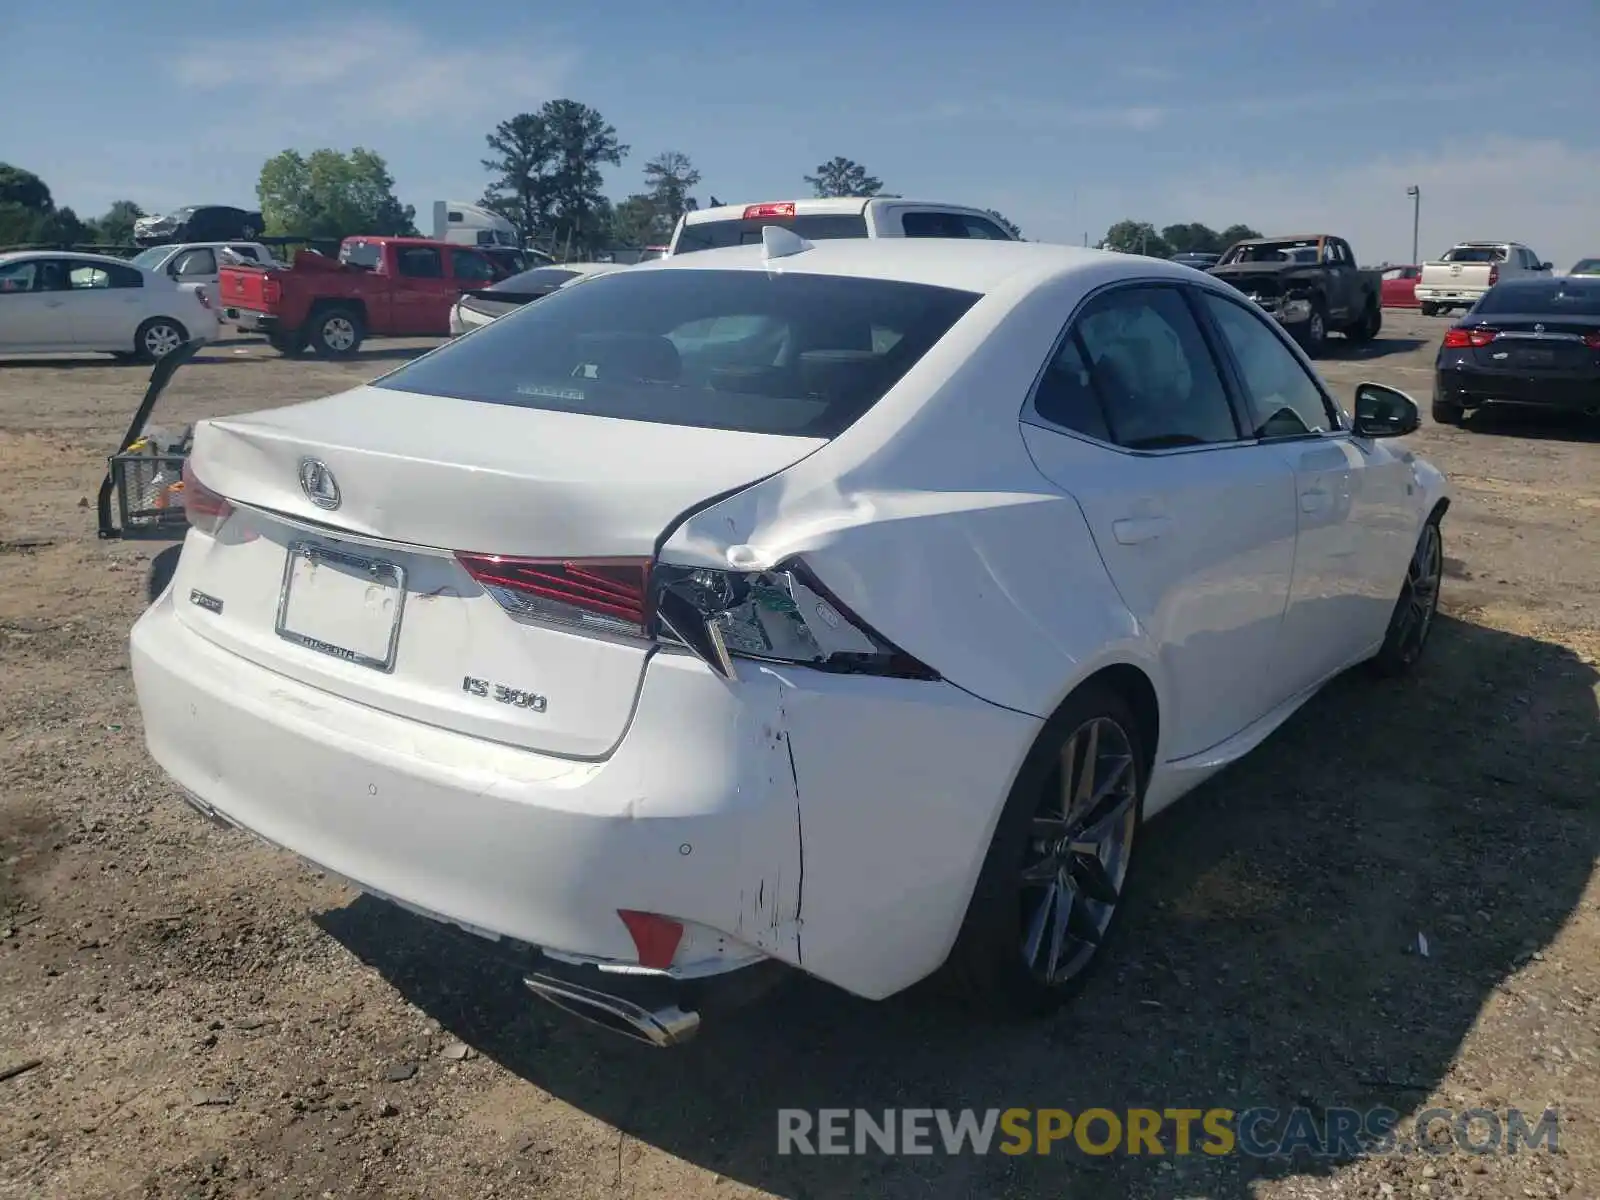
(1547,266)
(1385,412)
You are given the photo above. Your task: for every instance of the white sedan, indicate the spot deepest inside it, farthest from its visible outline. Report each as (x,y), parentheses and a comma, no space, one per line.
(58,302)
(841,606)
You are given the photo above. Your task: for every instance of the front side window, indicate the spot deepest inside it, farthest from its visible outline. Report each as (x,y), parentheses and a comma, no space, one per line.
(474,268)
(790,353)
(86,276)
(1148,365)
(196,262)
(1284,399)
(19,276)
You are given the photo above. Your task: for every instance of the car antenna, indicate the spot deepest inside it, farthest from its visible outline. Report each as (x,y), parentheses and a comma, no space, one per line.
(778,242)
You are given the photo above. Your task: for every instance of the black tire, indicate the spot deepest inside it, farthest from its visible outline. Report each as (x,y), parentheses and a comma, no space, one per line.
(1313,335)
(987,968)
(1370,325)
(1445,413)
(1412,619)
(287,344)
(162,568)
(1429,310)
(336,332)
(157,338)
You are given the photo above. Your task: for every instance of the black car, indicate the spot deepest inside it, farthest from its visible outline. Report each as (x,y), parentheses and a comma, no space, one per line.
(198,223)
(1197,259)
(1530,341)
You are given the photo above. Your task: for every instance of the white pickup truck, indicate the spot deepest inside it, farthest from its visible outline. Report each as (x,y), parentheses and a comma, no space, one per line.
(199,262)
(834,217)
(1469,269)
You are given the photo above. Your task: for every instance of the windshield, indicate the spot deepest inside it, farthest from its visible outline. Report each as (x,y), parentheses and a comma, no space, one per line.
(1556,298)
(815,227)
(802,355)
(1587,266)
(151,259)
(1297,251)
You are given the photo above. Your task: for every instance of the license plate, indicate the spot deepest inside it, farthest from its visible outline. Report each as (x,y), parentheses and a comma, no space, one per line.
(1537,358)
(342,605)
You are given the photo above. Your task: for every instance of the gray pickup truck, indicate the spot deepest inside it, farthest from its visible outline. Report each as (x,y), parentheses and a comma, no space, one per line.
(1310,284)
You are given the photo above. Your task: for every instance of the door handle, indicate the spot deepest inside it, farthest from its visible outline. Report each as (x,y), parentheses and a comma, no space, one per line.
(1313,500)
(1130,531)
(54,303)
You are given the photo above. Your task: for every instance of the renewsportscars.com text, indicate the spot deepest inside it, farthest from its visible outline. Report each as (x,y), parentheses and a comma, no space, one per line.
(1256,1132)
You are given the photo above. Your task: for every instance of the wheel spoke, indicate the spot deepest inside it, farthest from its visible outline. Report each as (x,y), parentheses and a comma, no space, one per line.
(1092,878)
(1089,839)
(1084,785)
(1038,923)
(1042,872)
(1066,905)
(1050,829)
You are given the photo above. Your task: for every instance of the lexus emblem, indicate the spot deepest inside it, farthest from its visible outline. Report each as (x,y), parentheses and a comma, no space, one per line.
(318,483)
(1538,328)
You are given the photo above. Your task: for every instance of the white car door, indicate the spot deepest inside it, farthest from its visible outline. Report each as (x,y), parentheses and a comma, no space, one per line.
(1351,500)
(107,304)
(198,268)
(33,314)
(1195,523)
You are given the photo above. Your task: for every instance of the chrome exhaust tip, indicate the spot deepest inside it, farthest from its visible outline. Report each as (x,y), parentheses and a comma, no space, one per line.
(661,1027)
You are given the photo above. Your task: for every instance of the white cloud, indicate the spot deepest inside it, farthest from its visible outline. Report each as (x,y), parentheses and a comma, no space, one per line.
(343,79)
(1534,191)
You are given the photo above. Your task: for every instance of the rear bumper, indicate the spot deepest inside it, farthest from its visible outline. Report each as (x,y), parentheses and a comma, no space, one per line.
(1448,295)
(834,823)
(1469,389)
(258,322)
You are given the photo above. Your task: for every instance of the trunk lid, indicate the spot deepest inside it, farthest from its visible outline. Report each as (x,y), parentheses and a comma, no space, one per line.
(1456,276)
(1531,344)
(382,612)
(244,287)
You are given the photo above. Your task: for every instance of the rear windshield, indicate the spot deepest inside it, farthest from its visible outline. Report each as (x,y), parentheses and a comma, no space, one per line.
(535,280)
(1475,254)
(815,227)
(1556,297)
(802,355)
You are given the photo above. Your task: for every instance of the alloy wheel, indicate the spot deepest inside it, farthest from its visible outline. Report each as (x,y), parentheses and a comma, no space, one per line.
(162,339)
(1078,851)
(1420,600)
(338,333)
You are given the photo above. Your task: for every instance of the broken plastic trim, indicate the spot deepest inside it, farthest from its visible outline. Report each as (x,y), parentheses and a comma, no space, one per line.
(782,615)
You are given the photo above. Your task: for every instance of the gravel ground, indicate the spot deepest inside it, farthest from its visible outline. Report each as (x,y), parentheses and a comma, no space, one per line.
(211,1018)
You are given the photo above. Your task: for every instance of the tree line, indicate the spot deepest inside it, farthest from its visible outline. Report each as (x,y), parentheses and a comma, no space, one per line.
(546,175)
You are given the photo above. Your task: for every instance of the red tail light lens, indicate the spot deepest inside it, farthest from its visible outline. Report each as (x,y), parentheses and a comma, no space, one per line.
(1494,275)
(271,291)
(204,509)
(1592,339)
(1468,339)
(608,595)
(783,208)
(783,615)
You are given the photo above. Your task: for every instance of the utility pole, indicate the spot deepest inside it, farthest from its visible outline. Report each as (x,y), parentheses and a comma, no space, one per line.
(1415,193)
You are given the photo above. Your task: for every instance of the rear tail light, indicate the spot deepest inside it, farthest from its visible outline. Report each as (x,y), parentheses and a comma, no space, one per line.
(783,208)
(1494,275)
(1468,339)
(783,615)
(605,595)
(205,510)
(1592,339)
(271,291)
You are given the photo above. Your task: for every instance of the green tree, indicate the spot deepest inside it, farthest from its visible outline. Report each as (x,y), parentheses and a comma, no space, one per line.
(116,227)
(1006,223)
(25,203)
(636,222)
(522,151)
(841,176)
(329,194)
(1236,233)
(669,178)
(1135,237)
(1193,238)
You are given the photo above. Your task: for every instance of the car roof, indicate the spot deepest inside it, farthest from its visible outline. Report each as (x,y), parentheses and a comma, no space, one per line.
(972,266)
(816,206)
(24,255)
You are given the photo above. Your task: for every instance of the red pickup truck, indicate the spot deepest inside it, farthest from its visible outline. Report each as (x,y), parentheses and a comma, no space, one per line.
(378,286)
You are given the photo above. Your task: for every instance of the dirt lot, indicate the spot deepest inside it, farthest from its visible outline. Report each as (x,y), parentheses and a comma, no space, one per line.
(213,1019)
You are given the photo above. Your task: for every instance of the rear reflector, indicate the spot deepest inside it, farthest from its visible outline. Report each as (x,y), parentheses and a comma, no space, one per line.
(607,595)
(655,938)
(1468,339)
(782,208)
(204,509)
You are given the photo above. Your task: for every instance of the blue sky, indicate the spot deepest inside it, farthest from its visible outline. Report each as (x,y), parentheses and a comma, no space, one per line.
(1299,115)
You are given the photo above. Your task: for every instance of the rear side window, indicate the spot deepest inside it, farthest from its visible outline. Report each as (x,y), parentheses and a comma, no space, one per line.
(795,354)
(815,227)
(950,225)
(420,262)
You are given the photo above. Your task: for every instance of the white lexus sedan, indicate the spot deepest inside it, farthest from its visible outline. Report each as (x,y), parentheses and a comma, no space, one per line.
(66,303)
(840,607)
